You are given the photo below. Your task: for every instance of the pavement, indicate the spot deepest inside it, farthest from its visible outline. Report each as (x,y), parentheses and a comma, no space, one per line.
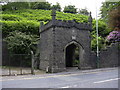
(95,78)
(14,71)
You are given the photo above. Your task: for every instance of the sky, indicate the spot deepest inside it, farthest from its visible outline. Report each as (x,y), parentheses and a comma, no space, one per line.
(91,5)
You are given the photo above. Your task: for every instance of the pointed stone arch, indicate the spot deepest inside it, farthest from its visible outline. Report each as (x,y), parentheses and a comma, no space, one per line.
(70,49)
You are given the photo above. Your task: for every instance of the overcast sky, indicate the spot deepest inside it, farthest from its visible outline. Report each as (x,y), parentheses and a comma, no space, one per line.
(89,4)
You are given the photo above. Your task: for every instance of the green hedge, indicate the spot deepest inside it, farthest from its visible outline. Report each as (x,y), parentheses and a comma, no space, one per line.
(32,17)
(28,14)
(45,15)
(23,26)
(10,17)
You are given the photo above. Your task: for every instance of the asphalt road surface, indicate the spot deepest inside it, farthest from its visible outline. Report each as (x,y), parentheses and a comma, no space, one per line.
(104,78)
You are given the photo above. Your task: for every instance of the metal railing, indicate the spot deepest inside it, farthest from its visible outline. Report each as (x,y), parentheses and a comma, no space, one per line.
(18,64)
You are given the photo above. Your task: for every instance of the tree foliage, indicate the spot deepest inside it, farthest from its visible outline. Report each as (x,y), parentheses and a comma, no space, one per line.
(110,14)
(70,9)
(26,5)
(42,5)
(103,30)
(15,6)
(106,8)
(114,23)
(57,7)
(21,43)
(83,11)
(114,18)
(94,42)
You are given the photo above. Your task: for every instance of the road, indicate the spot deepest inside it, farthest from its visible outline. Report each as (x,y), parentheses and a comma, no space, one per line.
(107,78)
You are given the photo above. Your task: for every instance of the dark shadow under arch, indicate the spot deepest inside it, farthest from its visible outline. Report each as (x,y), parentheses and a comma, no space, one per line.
(73,54)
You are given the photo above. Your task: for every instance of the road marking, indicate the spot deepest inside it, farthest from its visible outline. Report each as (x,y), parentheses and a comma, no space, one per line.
(107,80)
(65,87)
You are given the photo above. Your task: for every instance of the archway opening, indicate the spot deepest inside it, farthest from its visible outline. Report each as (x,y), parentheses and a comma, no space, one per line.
(72,55)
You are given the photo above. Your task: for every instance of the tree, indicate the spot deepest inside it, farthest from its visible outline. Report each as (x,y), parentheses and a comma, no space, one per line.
(70,9)
(15,6)
(114,18)
(32,4)
(106,7)
(21,43)
(42,5)
(83,11)
(57,7)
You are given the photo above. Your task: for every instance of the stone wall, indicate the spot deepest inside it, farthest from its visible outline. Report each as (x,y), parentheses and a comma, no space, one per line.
(109,57)
(93,59)
(46,49)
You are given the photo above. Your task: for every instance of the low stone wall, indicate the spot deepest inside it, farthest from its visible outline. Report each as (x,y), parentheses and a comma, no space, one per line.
(109,57)
(93,60)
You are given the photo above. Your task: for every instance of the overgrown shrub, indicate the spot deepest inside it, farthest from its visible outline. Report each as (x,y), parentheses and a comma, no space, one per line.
(113,36)
(21,43)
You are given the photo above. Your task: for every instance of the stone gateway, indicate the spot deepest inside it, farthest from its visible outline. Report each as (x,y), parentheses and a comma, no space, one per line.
(58,41)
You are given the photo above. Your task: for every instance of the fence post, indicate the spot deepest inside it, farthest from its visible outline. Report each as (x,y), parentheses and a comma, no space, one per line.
(9,66)
(32,63)
(21,59)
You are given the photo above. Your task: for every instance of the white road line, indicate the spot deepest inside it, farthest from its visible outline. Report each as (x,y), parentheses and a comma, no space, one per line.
(107,80)
(65,87)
